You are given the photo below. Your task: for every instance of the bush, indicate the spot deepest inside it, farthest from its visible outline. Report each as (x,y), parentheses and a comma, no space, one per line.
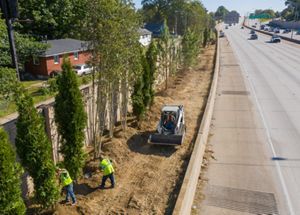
(10,184)
(52,85)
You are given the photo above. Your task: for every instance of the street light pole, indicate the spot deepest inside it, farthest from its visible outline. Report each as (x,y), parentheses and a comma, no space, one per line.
(10,31)
(295,17)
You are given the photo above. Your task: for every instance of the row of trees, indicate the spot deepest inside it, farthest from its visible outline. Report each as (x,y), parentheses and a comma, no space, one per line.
(121,69)
(33,145)
(292,12)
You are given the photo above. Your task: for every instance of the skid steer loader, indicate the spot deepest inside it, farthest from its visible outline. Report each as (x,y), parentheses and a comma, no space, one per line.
(171,127)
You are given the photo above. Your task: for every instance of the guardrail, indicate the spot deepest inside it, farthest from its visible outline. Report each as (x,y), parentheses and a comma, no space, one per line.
(270,34)
(186,195)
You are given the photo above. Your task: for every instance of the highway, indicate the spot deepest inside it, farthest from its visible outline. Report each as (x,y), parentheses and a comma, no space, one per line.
(274,74)
(256,129)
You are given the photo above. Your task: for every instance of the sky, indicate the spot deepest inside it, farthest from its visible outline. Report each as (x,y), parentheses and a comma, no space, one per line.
(242,6)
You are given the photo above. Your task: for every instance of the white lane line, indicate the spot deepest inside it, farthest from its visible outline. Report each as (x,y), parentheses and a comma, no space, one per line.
(282,181)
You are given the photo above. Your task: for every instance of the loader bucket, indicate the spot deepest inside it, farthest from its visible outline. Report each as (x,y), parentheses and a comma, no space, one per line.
(161,139)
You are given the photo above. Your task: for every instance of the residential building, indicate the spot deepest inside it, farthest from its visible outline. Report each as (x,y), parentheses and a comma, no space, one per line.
(50,61)
(155,28)
(145,36)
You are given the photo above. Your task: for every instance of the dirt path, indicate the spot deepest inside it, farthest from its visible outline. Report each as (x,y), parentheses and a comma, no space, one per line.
(148,177)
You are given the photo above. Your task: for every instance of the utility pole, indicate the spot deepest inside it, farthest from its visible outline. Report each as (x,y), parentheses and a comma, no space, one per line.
(9,9)
(295,17)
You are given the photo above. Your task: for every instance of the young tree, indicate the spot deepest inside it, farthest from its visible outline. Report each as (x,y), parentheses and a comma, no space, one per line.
(71,119)
(10,183)
(190,47)
(112,32)
(34,150)
(151,56)
(164,48)
(146,76)
(138,99)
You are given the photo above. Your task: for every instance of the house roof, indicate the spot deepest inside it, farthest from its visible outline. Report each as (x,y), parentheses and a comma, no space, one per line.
(144,31)
(155,28)
(64,46)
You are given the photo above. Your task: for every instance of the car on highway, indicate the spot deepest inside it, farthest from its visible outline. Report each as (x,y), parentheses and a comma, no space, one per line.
(275,39)
(271,29)
(262,27)
(252,32)
(286,31)
(242,27)
(222,34)
(82,69)
(276,30)
(226,27)
(253,26)
(253,36)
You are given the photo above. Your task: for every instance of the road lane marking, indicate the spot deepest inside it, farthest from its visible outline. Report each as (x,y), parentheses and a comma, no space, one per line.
(282,181)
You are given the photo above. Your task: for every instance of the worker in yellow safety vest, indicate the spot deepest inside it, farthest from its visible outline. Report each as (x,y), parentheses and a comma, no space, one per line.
(108,172)
(67,183)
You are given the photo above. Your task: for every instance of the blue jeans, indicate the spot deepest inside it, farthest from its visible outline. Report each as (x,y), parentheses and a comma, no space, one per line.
(70,192)
(111,178)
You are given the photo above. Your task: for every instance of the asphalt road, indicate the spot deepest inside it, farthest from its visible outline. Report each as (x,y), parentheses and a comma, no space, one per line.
(274,74)
(289,35)
(255,131)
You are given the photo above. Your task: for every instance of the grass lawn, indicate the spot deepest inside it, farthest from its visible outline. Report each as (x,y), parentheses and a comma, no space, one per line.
(6,109)
(37,95)
(27,84)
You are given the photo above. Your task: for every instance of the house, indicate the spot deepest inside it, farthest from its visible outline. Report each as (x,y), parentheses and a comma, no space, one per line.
(155,28)
(50,61)
(145,36)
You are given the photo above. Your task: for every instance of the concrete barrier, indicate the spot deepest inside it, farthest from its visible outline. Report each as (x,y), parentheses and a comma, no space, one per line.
(271,33)
(186,195)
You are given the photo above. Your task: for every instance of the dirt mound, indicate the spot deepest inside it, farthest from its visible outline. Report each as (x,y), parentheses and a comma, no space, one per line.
(148,177)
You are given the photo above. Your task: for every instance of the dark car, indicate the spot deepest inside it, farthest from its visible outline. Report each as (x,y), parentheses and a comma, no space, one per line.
(277,31)
(262,27)
(253,26)
(286,31)
(252,32)
(253,37)
(242,27)
(275,39)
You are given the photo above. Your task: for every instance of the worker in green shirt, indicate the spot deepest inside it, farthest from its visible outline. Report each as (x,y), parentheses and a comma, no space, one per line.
(67,183)
(108,172)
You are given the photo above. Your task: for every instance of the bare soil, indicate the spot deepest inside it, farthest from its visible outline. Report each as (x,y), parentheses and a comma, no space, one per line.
(148,178)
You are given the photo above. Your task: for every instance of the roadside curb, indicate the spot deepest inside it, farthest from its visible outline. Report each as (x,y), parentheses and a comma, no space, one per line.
(271,34)
(186,195)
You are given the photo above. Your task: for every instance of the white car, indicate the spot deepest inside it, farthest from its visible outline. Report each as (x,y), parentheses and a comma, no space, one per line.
(82,69)
(275,39)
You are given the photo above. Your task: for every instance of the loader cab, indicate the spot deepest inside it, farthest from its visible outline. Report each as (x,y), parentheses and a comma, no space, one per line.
(171,127)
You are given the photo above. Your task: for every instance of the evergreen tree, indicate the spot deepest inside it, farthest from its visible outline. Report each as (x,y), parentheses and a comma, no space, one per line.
(151,56)
(138,99)
(146,90)
(190,47)
(71,119)
(34,150)
(10,194)
(206,35)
